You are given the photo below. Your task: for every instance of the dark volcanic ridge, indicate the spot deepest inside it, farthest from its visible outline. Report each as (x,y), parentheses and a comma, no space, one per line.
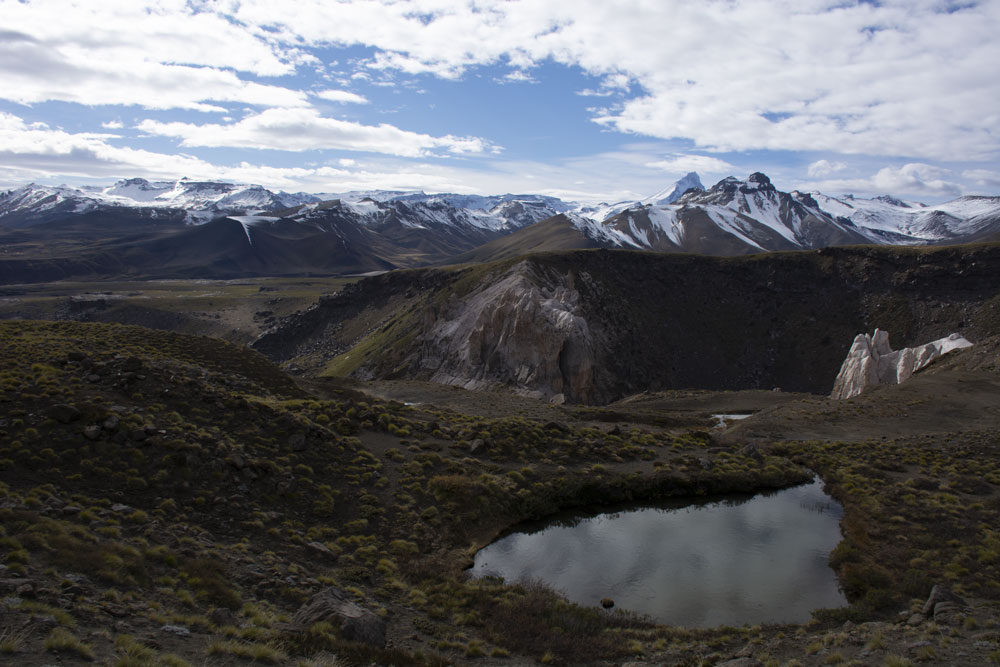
(595,326)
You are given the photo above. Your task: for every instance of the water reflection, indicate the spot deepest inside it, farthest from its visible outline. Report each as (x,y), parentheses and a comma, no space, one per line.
(728,561)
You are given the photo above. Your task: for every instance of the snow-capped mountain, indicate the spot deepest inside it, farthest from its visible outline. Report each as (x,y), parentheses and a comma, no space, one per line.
(664,197)
(736,217)
(202,200)
(889,220)
(454,213)
(690,182)
(242,229)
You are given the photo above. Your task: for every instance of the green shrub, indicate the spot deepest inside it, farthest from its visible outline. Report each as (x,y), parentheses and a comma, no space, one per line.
(61,640)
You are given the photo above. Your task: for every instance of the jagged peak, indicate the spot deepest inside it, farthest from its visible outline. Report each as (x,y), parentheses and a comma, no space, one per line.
(682,186)
(761,180)
(889,199)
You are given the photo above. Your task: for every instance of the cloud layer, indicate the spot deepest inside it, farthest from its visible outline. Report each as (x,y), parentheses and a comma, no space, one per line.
(899,77)
(306,129)
(909,82)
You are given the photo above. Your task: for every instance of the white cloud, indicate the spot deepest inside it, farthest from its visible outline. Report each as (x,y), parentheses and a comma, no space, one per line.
(914,180)
(42,153)
(158,55)
(916,177)
(729,76)
(517,76)
(703,164)
(113,125)
(821,168)
(306,129)
(41,73)
(734,75)
(342,96)
(31,153)
(984,178)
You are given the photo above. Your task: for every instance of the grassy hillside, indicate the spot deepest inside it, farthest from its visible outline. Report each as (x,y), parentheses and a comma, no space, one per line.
(172,500)
(553,234)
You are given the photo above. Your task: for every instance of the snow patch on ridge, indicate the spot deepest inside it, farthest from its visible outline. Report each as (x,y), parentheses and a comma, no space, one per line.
(249,220)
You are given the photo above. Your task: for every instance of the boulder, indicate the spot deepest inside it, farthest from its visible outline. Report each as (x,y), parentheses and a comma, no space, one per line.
(321,549)
(132,365)
(752,452)
(297,442)
(355,622)
(871,361)
(63,413)
(941,594)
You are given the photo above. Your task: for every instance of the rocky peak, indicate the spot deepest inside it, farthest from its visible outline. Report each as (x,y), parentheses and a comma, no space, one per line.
(759,181)
(889,199)
(137,182)
(805,198)
(690,183)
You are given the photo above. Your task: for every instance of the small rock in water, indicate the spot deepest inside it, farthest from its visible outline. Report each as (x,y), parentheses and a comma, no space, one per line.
(607,603)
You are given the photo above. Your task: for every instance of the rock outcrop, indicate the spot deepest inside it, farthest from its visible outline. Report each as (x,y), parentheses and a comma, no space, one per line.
(355,622)
(521,330)
(871,362)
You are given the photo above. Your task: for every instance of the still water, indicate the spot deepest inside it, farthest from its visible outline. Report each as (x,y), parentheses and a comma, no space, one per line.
(729,561)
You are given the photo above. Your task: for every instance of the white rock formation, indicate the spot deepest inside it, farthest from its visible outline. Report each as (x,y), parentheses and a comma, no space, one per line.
(871,361)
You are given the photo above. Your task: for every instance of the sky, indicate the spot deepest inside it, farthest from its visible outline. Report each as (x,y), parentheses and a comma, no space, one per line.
(587,100)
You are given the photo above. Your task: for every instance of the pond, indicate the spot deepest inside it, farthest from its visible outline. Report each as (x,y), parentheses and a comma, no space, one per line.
(721,561)
(722,419)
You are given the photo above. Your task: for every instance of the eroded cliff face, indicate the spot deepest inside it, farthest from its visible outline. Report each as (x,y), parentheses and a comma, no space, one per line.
(871,361)
(523,330)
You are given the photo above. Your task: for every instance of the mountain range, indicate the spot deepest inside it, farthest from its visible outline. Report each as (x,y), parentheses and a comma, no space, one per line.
(191,228)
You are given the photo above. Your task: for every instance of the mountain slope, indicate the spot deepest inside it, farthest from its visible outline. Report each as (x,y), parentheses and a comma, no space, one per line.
(553,234)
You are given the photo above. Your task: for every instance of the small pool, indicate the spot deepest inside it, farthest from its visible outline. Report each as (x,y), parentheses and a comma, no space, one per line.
(721,419)
(722,561)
